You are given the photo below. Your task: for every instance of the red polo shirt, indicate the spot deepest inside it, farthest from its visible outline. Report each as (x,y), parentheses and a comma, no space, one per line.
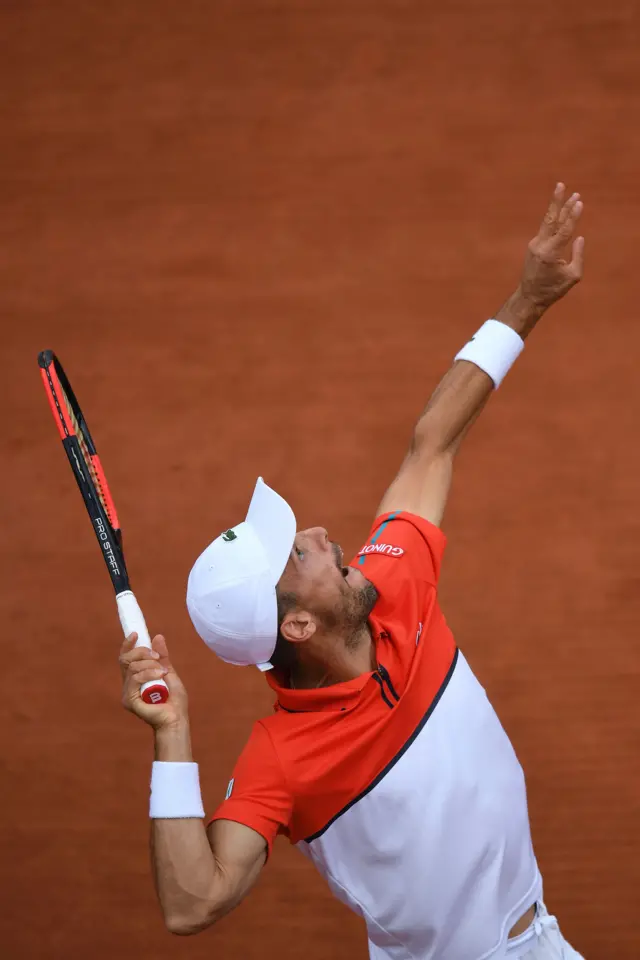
(400,786)
(318,752)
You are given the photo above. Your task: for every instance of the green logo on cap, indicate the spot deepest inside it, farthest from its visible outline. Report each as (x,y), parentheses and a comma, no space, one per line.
(229,535)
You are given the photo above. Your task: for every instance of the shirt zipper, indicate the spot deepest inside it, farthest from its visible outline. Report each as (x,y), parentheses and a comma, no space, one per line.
(381,677)
(384,673)
(379,681)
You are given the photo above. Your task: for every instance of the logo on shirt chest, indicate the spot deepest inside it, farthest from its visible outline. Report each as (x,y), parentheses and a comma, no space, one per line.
(386,549)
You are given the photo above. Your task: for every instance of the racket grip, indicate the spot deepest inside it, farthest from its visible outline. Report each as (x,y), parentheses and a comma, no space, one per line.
(132,621)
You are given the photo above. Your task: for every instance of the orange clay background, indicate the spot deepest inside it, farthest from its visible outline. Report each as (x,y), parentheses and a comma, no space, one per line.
(256,233)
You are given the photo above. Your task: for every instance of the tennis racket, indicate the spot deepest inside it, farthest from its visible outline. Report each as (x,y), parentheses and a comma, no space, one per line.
(88,471)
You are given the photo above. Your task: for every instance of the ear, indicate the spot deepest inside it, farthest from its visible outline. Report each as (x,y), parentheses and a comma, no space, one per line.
(297,626)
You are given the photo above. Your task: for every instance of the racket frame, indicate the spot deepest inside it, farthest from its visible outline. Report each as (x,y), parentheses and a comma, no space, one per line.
(98,502)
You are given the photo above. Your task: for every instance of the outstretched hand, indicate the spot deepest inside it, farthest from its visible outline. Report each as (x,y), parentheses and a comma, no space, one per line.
(546,275)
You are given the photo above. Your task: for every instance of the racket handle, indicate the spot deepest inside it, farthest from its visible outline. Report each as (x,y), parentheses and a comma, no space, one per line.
(132,621)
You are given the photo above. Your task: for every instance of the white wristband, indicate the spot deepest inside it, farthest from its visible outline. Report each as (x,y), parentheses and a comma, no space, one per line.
(494,348)
(175,791)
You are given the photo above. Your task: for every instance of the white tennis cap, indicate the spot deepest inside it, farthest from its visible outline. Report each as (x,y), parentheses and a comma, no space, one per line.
(231,592)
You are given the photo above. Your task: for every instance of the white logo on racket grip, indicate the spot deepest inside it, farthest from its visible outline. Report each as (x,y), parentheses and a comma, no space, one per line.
(103,536)
(155,696)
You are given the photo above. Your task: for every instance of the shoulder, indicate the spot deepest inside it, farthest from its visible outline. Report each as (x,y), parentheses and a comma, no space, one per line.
(404,546)
(260,747)
(259,767)
(271,736)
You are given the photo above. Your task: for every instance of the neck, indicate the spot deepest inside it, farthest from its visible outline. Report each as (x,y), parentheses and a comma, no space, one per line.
(333,661)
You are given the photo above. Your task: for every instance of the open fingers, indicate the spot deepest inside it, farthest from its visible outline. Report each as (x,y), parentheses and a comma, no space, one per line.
(548,226)
(567,208)
(576,267)
(569,216)
(558,228)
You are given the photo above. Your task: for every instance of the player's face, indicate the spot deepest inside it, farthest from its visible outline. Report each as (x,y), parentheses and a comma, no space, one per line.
(338,595)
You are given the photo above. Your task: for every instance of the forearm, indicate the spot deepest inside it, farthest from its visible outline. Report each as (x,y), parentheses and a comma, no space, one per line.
(455,404)
(464,390)
(183,863)
(423,481)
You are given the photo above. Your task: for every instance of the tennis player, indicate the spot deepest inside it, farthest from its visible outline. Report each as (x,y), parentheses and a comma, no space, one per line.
(383,761)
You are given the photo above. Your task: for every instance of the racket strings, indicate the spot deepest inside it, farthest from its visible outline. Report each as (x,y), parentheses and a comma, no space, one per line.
(88,459)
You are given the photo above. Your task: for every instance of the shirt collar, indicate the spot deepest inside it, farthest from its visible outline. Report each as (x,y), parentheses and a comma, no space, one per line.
(339,696)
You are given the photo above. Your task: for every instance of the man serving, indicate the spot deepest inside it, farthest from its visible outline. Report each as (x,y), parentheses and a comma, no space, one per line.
(383,760)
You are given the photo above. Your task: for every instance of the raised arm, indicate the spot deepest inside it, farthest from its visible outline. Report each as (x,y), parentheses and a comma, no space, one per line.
(423,481)
(199,876)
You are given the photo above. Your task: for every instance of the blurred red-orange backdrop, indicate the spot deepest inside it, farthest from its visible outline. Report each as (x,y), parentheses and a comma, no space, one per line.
(256,233)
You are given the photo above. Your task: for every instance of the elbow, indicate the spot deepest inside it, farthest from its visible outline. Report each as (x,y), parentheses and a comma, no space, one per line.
(431,438)
(178,927)
(429,446)
(181,926)
(186,924)
(181,929)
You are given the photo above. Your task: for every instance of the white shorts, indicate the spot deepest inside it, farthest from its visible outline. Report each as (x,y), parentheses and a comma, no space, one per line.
(541,941)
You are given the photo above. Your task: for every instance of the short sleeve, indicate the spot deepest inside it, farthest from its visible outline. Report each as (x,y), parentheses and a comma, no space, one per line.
(401,547)
(257,795)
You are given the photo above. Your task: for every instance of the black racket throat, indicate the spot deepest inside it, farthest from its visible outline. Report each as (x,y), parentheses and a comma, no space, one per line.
(109,539)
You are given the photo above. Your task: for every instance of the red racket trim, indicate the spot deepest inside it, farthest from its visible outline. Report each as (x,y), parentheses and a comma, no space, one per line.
(68,426)
(103,491)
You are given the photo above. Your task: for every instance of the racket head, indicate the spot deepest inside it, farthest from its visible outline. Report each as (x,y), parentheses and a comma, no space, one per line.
(85,462)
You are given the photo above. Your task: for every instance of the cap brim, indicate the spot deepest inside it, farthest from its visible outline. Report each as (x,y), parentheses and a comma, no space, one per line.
(274,523)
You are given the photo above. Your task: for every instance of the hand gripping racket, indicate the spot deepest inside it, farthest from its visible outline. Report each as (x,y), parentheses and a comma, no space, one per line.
(92,482)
